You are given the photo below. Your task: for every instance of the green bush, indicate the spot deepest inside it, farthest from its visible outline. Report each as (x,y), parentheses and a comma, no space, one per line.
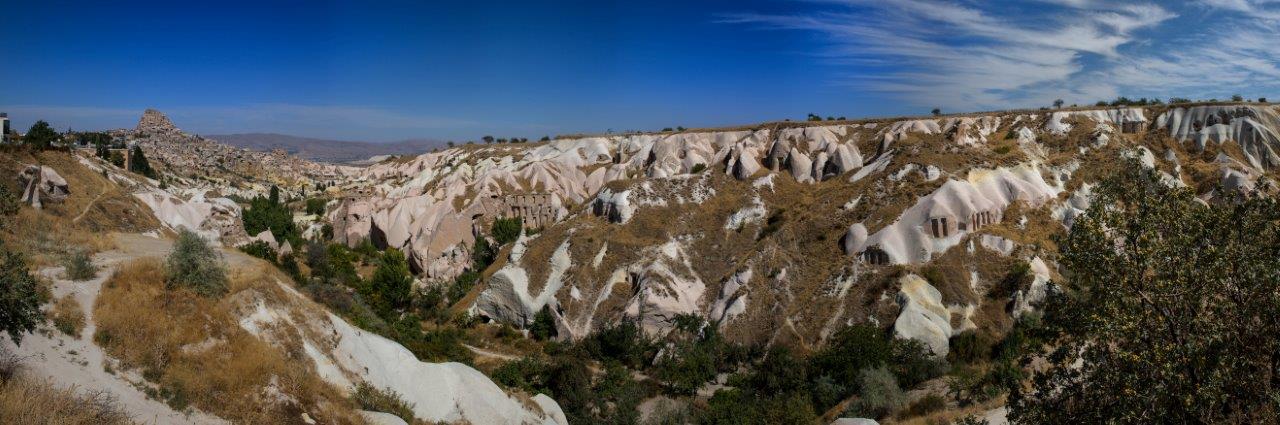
(969,347)
(289,264)
(694,354)
(878,394)
(506,230)
(193,264)
(371,398)
(772,224)
(623,342)
(850,350)
(79,265)
(698,168)
(462,285)
(315,206)
(544,326)
(526,373)
(318,261)
(259,249)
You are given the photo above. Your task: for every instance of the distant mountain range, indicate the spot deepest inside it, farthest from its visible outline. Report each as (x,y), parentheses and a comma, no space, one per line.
(324,150)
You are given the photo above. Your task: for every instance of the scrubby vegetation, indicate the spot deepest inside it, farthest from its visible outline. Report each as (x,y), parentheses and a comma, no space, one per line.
(78,265)
(375,399)
(194,265)
(260,249)
(860,363)
(67,316)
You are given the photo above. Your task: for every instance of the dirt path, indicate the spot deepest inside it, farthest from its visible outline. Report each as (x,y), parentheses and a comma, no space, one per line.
(490,354)
(67,361)
(88,207)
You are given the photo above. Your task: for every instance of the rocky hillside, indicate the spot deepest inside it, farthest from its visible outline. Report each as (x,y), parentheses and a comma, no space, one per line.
(787,231)
(324,150)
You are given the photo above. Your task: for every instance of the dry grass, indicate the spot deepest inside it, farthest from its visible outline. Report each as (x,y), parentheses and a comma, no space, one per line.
(25,401)
(67,316)
(95,208)
(193,350)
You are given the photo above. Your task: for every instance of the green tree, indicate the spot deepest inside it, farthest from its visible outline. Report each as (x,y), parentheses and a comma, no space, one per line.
(318,261)
(482,254)
(195,265)
(139,163)
(102,149)
(40,136)
(544,326)
(391,287)
(19,298)
(1170,312)
(270,214)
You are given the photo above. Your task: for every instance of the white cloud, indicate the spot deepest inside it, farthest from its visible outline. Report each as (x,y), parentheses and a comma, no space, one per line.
(964,56)
(975,55)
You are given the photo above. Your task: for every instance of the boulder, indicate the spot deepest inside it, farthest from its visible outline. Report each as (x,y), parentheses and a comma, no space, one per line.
(923,317)
(42,185)
(801,167)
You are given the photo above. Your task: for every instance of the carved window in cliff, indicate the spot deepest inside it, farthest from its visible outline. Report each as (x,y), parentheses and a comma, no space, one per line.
(875,255)
(940,227)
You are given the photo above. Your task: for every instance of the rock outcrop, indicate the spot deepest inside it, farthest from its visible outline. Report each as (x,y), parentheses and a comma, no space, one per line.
(42,185)
(923,316)
(154,122)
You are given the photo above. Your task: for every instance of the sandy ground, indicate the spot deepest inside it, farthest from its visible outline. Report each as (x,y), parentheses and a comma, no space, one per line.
(79,363)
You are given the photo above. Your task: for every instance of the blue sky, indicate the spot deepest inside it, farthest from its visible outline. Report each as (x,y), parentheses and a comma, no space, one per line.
(388,70)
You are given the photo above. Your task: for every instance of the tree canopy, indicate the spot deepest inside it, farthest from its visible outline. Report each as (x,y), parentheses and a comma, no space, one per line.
(40,136)
(1170,312)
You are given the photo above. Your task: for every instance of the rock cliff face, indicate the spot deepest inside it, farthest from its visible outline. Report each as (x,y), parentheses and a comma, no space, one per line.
(786,231)
(155,123)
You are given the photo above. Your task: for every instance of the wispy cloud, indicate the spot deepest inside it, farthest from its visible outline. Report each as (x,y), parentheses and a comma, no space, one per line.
(983,54)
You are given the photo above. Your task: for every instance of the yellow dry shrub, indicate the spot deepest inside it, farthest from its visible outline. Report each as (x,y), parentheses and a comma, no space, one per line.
(67,315)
